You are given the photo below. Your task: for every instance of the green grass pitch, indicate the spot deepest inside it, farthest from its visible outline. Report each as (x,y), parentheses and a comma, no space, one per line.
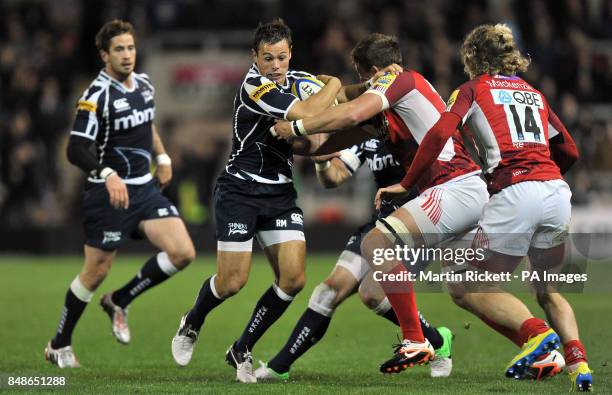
(345,361)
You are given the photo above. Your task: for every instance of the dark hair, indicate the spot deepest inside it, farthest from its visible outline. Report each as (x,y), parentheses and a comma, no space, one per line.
(378,50)
(271,33)
(112,29)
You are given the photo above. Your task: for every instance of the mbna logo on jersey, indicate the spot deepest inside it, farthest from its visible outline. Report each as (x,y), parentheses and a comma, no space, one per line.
(136,118)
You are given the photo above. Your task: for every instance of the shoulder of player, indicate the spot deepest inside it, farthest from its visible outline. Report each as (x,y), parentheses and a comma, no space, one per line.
(254,86)
(296,74)
(144,78)
(94,92)
(254,79)
(404,80)
(466,91)
(467,88)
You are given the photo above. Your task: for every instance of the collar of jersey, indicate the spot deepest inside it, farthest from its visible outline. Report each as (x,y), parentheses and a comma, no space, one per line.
(282,86)
(118,84)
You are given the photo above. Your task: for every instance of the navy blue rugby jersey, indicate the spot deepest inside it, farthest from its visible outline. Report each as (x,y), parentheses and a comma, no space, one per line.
(119,121)
(386,170)
(256,155)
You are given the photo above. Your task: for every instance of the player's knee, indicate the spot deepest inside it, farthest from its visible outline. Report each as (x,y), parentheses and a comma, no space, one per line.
(458,295)
(230,285)
(94,276)
(231,288)
(292,285)
(323,300)
(370,299)
(342,289)
(182,255)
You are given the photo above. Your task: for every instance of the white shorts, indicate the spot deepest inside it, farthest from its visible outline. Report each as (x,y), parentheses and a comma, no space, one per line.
(443,212)
(450,209)
(528,214)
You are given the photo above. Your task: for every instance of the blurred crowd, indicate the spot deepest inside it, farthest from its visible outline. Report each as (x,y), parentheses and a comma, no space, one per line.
(47,51)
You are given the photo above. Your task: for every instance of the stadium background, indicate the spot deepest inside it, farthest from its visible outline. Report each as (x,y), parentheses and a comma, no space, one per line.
(196,53)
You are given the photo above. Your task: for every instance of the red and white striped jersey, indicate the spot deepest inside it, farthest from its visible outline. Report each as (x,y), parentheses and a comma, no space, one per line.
(411,106)
(511,124)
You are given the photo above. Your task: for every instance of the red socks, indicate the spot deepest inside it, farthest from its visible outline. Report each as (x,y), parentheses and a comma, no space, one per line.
(530,328)
(403,300)
(574,352)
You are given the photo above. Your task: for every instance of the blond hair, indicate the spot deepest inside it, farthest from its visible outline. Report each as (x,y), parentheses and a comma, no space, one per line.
(491,50)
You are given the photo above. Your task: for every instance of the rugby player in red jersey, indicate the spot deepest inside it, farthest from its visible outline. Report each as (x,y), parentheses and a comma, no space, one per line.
(524,149)
(403,107)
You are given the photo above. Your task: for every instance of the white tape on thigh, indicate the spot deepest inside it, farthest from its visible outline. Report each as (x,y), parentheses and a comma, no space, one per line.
(235,246)
(267,238)
(322,300)
(399,229)
(79,290)
(354,263)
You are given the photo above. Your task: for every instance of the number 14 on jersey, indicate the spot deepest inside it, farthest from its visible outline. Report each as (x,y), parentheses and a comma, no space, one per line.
(522,114)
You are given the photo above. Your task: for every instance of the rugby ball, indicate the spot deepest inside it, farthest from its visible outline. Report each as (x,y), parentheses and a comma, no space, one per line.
(305,87)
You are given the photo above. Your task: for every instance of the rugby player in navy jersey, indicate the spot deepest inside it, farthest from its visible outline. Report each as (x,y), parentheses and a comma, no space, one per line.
(254,196)
(351,272)
(113,141)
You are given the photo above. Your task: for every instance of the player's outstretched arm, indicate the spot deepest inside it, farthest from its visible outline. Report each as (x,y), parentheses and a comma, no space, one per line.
(326,144)
(317,102)
(163,170)
(334,118)
(351,92)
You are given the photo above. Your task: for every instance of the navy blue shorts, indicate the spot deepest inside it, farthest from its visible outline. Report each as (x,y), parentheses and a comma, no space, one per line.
(107,228)
(243,208)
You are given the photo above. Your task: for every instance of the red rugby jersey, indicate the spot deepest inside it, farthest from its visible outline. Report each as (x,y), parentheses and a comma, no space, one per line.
(411,107)
(511,123)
